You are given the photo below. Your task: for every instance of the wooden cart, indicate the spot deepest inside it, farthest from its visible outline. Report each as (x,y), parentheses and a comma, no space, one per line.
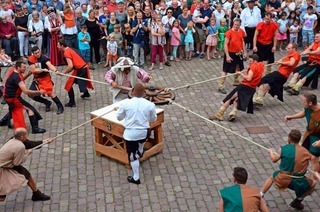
(108,135)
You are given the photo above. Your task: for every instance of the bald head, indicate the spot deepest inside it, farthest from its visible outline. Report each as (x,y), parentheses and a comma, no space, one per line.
(19,132)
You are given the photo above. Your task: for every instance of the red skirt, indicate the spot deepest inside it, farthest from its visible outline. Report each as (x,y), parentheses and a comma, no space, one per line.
(56,56)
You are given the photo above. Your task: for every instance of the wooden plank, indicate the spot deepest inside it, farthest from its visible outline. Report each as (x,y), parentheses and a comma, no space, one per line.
(113,153)
(114,142)
(153,151)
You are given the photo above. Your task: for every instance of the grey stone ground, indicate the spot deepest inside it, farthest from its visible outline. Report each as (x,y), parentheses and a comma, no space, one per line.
(196,163)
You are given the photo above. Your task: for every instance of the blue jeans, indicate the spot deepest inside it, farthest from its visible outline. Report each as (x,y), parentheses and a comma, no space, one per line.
(10,46)
(307,37)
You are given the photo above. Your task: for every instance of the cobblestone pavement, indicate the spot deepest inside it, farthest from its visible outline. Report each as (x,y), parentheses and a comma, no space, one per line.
(196,163)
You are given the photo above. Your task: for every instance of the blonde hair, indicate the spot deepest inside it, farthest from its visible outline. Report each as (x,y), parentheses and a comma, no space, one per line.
(134,12)
(189,24)
(126,25)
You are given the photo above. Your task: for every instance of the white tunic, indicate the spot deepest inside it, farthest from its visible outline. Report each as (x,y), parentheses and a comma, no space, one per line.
(138,113)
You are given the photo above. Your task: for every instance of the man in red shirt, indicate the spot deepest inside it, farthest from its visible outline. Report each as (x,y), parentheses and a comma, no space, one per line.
(8,33)
(112,6)
(241,96)
(79,68)
(235,51)
(307,72)
(274,81)
(265,40)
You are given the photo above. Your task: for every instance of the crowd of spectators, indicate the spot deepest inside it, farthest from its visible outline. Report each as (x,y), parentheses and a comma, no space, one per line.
(172,30)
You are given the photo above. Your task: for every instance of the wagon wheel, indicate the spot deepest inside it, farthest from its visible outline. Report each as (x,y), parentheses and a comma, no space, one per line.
(157,95)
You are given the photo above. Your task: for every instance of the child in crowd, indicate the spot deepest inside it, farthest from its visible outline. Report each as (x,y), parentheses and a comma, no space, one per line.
(197,15)
(5,60)
(118,38)
(294,30)
(112,50)
(83,41)
(188,40)
(309,22)
(221,35)
(282,32)
(211,42)
(175,39)
(128,40)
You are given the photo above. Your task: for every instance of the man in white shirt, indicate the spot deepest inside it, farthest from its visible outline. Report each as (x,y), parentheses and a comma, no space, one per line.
(250,17)
(137,114)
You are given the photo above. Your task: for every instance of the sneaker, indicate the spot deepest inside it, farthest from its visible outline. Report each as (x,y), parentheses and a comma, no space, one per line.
(131,180)
(171,58)
(167,63)
(195,54)
(202,55)
(161,66)
(48,106)
(38,196)
(222,91)
(296,204)
(85,95)
(70,104)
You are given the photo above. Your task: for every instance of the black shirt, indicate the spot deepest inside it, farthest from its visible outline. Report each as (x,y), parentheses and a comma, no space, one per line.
(12,88)
(93,29)
(22,21)
(40,63)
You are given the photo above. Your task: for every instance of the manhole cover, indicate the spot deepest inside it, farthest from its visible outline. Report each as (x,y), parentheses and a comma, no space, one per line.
(258,130)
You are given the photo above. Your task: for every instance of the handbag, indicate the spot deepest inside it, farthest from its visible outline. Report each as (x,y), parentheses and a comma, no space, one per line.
(33,40)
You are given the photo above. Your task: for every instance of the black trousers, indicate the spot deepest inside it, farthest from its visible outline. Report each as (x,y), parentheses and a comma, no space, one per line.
(250,34)
(95,47)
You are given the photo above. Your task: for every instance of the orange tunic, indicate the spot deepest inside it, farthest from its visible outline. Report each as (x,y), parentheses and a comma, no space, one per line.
(266,32)
(286,70)
(257,69)
(235,40)
(43,79)
(313,57)
(78,63)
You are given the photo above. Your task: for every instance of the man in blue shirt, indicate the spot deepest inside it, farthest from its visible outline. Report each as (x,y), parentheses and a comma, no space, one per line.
(200,35)
(139,29)
(56,4)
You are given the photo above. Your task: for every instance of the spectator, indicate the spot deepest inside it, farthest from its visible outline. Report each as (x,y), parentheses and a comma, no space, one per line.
(274,6)
(175,39)
(288,6)
(84,8)
(7,13)
(121,13)
(250,17)
(303,9)
(139,28)
(128,40)
(80,19)
(53,25)
(131,15)
(36,4)
(157,42)
(8,34)
(113,6)
(211,41)
(69,26)
(57,4)
(84,40)
(309,23)
(35,27)
(118,38)
(176,10)
(219,14)
(112,50)
(94,31)
(147,3)
(200,37)
(189,42)
(184,18)
(167,22)
(282,30)
(235,12)
(21,22)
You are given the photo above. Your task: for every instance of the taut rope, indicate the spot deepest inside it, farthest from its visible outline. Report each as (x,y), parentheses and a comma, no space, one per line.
(62,134)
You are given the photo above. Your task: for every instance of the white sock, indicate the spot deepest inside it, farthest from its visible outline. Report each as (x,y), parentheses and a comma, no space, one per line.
(261,193)
(135,168)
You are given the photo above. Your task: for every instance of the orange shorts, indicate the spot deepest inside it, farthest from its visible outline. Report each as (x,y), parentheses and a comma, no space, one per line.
(112,57)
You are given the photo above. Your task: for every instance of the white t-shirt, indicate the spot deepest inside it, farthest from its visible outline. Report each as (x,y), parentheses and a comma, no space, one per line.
(9,13)
(295,34)
(309,21)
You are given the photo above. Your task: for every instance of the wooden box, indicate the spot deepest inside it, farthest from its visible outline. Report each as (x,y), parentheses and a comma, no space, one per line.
(108,135)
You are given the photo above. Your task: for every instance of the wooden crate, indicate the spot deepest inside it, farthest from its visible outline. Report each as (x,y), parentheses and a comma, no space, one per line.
(108,135)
